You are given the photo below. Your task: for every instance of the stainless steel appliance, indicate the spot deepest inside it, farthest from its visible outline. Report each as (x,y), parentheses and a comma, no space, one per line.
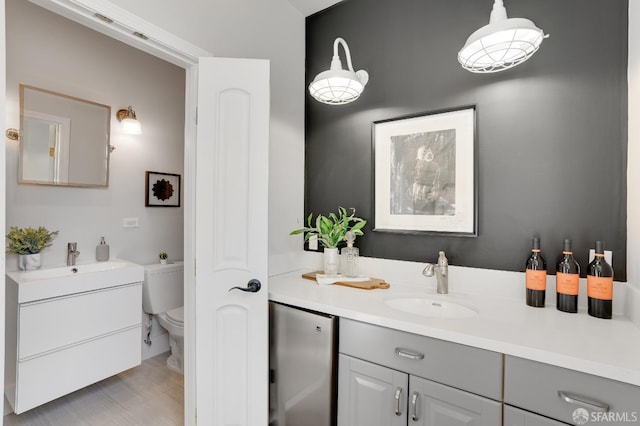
(303,347)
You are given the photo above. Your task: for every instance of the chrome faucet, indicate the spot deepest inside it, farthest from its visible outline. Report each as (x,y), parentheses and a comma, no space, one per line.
(72,253)
(441,271)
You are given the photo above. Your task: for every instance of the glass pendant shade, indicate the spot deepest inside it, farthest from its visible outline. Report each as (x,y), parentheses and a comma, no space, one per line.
(502,44)
(131,126)
(129,121)
(338,86)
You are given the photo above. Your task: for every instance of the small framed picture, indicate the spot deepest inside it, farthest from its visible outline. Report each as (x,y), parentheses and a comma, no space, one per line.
(162,190)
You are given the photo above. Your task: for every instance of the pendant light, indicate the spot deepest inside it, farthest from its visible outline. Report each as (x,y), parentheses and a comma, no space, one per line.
(502,44)
(337,86)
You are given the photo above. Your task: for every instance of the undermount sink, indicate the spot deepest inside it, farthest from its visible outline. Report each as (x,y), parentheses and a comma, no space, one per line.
(52,282)
(431,307)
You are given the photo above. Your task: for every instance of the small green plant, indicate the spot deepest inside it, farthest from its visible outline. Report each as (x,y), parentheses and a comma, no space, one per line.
(29,240)
(163,255)
(332,230)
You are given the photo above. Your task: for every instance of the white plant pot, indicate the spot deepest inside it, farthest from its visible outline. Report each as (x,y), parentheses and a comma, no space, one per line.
(29,262)
(163,261)
(331,261)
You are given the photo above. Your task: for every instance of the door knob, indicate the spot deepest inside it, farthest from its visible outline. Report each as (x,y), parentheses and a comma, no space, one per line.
(253,286)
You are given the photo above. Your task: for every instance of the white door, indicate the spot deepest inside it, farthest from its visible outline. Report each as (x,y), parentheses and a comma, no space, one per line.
(231,242)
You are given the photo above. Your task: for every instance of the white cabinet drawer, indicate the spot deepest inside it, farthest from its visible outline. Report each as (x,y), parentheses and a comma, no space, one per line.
(50,376)
(56,323)
(537,387)
(471,369)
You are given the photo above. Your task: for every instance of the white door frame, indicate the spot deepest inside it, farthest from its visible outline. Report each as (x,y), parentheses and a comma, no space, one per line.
(3,162)
(170,48)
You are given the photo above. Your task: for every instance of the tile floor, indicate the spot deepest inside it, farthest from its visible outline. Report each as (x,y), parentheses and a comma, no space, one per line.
(148,395)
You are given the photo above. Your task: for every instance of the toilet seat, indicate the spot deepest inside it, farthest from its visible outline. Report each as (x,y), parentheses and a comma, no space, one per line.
(176,316)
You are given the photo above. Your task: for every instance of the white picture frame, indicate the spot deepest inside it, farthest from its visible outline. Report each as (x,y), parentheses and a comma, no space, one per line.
(424,173)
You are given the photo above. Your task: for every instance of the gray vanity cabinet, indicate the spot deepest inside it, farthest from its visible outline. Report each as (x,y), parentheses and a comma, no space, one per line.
(516,417)
(434,404)
(389,377)
(558,393)
(373,395)
(370,394)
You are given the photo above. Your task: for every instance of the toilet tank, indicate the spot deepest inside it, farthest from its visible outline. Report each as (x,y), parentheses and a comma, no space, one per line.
(163,287)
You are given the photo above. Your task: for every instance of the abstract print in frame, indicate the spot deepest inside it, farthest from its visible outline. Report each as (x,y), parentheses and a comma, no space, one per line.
(424,173)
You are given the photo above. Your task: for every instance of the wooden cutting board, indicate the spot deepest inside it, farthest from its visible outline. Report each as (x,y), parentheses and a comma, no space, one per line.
(373,283)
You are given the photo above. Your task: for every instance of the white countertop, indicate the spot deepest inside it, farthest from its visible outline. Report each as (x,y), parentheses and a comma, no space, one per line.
(607,348)
(64,280)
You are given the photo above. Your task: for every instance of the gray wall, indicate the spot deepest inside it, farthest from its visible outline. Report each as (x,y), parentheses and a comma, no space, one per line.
(48,51)
(552,136)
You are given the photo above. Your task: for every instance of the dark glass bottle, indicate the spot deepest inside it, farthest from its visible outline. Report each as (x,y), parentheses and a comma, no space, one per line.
(567,280)
(600,285)
(536,276)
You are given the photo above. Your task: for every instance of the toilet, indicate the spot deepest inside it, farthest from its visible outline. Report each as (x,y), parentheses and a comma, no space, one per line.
(163,296)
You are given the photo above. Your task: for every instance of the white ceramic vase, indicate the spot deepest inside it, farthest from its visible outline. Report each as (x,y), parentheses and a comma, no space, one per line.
(29,262)
(331,261)
(163,261)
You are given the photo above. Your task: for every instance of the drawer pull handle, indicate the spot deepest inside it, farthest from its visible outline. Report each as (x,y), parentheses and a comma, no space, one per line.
(397,398)
(406,353)
(414,406)
(583,401)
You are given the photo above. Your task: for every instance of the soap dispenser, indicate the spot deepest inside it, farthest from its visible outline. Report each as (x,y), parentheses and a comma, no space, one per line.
(350,256)
(102,251)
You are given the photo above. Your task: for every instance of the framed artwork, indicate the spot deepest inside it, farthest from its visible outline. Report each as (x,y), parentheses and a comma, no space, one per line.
(162,190)
(424,173)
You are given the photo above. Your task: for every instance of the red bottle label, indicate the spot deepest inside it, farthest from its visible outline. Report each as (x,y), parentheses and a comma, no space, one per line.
(536,280)
(567,283)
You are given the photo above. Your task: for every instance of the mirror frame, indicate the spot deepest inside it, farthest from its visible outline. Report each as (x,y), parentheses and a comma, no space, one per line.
(22,127)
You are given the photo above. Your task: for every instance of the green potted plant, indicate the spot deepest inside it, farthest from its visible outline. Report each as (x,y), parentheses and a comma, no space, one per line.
(27,244)
(331,231)
(163,257)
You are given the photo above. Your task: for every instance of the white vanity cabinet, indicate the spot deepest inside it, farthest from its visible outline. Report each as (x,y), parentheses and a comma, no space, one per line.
(57,345)
(557,393)
(390,377)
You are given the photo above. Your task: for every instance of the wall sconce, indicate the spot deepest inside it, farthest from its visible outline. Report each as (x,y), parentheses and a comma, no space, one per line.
(12,134)
(129,122)
(337,86)
(502,44)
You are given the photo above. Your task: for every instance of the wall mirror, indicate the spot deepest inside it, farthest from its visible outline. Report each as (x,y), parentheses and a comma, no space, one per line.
(64,140)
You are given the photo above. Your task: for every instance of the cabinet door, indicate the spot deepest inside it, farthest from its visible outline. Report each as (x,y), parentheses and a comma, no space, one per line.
(370,395)
(517,417)
(433,404)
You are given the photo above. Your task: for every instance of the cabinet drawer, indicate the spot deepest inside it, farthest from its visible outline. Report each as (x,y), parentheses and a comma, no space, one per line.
(463,367)
(56,323)
(535,386)
(516,417)
(50,376)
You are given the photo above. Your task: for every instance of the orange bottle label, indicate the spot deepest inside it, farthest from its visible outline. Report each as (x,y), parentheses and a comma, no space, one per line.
(600,287)
(567,283)
(536,280)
